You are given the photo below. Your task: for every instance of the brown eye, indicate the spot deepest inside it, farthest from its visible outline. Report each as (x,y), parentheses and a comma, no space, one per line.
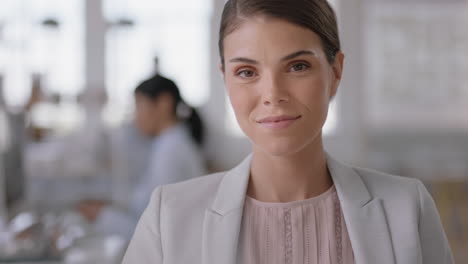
(298,67)
(246,74)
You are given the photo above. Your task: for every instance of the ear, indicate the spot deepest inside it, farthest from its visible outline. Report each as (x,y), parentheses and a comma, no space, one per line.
(337,70)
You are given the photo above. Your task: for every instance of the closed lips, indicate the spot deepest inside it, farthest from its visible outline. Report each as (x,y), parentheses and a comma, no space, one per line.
(276,119)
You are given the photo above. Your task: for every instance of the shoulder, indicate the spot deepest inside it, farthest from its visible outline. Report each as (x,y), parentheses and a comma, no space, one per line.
(183,200)
(393,188)
(175,143)
(411,213)
(176,136)
(189,194)
(194,193)
(378,179)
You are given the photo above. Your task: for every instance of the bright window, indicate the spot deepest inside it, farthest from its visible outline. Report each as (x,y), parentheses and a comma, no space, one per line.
(28,46)
(177,32)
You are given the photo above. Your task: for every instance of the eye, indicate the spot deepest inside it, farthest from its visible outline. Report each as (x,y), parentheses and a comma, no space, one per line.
(298,67)
(246,73)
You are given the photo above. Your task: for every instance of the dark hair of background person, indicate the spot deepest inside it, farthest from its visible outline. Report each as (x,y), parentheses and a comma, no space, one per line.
(316,15)
(158,85)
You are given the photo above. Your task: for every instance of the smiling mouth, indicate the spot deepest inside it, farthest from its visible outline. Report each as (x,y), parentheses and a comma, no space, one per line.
(277,119)
(278,122)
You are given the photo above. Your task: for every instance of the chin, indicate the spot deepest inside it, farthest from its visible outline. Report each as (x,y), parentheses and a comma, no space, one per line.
(287,145)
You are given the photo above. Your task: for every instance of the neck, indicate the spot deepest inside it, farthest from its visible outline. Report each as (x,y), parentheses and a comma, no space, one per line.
(289,178)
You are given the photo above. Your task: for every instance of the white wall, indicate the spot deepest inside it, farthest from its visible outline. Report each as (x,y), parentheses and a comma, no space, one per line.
(348,142)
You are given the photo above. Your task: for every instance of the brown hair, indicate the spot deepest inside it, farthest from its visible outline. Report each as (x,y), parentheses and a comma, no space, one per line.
(316,15)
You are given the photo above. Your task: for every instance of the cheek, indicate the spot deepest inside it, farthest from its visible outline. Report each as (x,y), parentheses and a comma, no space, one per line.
(314,95)
(140,120)
(143,117)
(243,100)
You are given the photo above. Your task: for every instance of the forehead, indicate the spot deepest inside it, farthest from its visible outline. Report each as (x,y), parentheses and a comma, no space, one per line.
(263,35)
(143,99)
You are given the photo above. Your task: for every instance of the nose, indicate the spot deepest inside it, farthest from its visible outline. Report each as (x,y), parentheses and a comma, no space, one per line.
(274,92)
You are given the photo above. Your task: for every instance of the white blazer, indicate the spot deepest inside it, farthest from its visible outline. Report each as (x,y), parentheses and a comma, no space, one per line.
(390,219)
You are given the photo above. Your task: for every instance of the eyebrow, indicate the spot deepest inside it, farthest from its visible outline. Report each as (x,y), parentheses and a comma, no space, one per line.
(297,54)
(285,58)
(245,60)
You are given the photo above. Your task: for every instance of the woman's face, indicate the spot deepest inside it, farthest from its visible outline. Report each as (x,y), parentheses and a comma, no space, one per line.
(147,113)
(280,83)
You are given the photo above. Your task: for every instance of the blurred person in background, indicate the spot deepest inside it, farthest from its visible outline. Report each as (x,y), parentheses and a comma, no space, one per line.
(176,133)
(289,201)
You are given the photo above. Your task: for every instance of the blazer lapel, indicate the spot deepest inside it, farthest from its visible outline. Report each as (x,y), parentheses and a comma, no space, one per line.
(364,216)
(222,222)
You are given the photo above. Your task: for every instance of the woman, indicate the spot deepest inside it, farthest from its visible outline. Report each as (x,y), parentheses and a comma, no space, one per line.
(176,134)
(175,154)
(288,202)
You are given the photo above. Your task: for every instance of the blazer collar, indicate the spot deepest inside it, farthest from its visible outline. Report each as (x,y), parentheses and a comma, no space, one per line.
(223,220)
(364,216)
(348,183)
(232,189)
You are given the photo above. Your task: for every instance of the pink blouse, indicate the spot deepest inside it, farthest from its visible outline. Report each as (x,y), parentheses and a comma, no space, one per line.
(311,231)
